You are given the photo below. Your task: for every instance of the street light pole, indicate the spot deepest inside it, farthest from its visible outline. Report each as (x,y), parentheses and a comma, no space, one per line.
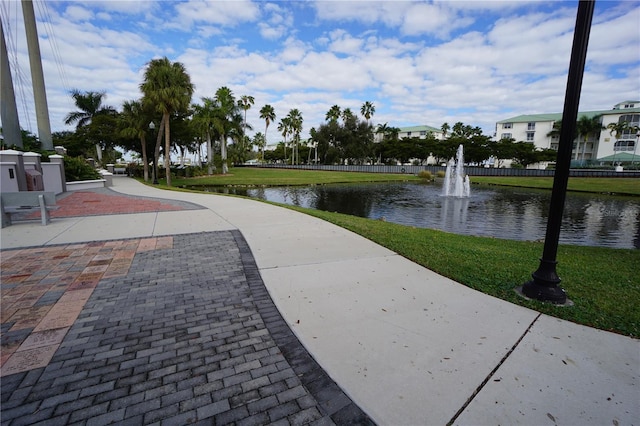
(152,126)
(635,147)
(544,286)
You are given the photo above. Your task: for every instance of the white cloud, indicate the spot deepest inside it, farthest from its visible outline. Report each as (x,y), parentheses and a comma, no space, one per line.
(432,18)
(224,13)
(78,13)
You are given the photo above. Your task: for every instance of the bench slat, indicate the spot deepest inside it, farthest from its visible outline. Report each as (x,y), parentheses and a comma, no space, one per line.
(16,202)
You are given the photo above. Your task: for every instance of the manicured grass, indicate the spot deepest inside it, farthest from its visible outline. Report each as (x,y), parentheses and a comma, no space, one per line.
(620,186)
(603,283)
(249,176)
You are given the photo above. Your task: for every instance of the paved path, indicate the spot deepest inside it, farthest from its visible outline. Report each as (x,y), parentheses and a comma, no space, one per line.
(160,330)
(406,345)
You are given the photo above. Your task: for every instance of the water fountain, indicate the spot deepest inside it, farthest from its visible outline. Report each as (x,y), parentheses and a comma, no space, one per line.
(456,184)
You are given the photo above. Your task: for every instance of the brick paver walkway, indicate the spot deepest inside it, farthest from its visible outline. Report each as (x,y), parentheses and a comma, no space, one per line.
(102,201)
(170,331)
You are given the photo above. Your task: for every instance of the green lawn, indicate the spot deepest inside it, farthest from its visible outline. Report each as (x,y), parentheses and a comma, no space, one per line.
(603,283)
(620,186)
(250,176)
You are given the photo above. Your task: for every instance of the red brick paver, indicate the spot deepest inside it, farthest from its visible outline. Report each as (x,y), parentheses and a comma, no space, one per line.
(87,203)
(44,289)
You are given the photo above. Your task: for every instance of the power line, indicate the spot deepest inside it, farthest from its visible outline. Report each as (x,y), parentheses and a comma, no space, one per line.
(49,29)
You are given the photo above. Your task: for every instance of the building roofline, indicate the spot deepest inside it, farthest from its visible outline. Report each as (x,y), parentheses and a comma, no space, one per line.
(558,115)
(420,128)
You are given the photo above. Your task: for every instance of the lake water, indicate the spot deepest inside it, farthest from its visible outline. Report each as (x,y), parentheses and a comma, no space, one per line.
(511,213)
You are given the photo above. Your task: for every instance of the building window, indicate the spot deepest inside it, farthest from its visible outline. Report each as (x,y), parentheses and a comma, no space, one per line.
(629,105)
(507,125)
(530,136)
(531,126)
(624,146)
(408,134)
(505,136)
(423,133)
(632,120)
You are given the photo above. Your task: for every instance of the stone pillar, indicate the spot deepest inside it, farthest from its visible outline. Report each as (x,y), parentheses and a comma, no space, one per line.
(13,156)
(59,160)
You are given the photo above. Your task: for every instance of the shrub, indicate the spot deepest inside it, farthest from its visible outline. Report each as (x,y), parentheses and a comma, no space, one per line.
(425,174)
(76,169)
(441,174)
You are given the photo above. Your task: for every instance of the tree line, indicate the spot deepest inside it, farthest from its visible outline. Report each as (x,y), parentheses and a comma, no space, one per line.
(219,124)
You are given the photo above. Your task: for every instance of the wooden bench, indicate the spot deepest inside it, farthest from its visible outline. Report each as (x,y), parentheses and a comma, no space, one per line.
(26,201)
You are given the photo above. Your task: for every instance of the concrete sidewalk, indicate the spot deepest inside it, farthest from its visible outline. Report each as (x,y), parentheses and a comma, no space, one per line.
(406,345)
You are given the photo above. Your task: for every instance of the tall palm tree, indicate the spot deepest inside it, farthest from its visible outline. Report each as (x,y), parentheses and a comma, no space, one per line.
(295,117)
(587,127)
(367,110)
(167,86)
(228,114)
(284,127)
(445,129)
(89,104)
(268,114)
(135,122)
(245,102)
(205,118)
(334,113)
(347,114)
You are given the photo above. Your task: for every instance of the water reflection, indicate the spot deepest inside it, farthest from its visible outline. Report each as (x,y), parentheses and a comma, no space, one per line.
(518,214)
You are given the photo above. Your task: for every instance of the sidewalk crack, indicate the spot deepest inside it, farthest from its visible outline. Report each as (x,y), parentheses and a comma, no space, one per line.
(490,375)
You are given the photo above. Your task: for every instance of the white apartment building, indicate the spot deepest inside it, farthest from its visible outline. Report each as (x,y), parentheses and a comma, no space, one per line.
(536,128)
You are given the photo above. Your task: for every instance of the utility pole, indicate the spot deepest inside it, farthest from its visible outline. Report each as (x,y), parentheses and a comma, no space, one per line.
(37,76)
(8,108)
(544,286)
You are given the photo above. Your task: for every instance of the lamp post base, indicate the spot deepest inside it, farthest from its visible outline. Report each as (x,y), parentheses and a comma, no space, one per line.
(544,285)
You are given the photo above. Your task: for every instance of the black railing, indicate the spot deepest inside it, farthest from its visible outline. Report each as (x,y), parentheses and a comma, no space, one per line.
(470,170)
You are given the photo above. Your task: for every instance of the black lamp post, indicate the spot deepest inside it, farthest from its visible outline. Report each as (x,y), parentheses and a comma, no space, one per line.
(152,126)
(544,286)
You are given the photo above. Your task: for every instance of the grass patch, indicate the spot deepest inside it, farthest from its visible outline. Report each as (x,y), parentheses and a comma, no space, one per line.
(602,282)
(249,176)
(619,186)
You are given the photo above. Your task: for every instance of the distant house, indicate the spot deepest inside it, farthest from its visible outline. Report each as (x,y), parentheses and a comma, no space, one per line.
(537,129)
(419,132)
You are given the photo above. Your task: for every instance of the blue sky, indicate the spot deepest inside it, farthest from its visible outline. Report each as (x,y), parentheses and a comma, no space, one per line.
(418,62)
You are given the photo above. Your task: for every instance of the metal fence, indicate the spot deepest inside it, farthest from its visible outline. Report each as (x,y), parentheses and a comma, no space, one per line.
(471,171)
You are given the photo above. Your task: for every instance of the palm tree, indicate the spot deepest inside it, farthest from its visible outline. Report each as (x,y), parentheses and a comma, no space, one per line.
(245,102)
(367,110)
(588,127)
(135,124)
(445,129)
(205,118)
(89,105)
(228,115)
(260,141)
(295,117)
(555,130)
(268,114)
(618,128)
(347,114)
(333,114)
(284,127)
(167,86)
